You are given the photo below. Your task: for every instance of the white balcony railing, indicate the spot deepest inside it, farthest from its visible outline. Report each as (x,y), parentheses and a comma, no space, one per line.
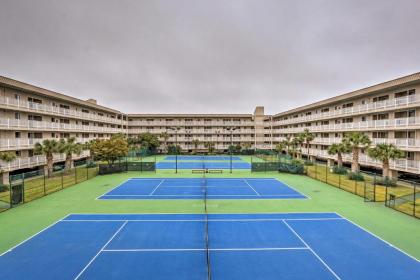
(354,126)
(53,126)
(27,162)
(28,143)
(396,103)
(48,109)
(184,123)
(401,164)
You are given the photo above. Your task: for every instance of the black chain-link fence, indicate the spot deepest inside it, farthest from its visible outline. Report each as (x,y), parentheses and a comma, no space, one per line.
(29,186)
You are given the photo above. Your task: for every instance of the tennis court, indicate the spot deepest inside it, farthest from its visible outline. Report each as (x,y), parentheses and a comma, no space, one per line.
(195,188)
(199,246)
(186,157)
(202,162)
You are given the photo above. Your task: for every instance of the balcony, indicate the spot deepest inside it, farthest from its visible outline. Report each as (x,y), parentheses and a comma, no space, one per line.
(395,103)
(28,143)
(17,104)
(29,162)
(401,123)
(401,164)
(193,123)
(53,126)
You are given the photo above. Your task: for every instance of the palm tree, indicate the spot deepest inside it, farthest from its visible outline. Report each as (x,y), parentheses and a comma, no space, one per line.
(165,137)
(6,157)
(209,146)
(339,149)
(47,148)
(88,146)
(356,141)
(296,143)
(280,147)
(287,144)
(385,153)
(307,137)
(69,147)
(195,142)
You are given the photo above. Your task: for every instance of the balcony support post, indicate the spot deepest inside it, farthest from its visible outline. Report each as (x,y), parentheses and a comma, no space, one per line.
(4,178)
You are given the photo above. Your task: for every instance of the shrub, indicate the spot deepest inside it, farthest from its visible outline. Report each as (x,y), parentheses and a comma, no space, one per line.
(386,181)
(4,188)
(296,162)
(356,176)
(90,164)
(340,170)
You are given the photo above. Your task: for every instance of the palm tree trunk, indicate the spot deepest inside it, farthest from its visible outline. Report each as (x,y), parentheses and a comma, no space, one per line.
(355,161)
(385,168)
(50,164)
(339,160)
(68,161)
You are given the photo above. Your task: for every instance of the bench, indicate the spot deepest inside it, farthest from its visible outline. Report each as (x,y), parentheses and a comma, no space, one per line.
(215,171)
(199,171)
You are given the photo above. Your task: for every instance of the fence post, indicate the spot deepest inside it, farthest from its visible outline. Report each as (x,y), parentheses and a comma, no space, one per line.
(10,193)
(23,188)
(326,174)
(339,181)
(374,187)
(75,175)
(45,183)
(386,195)
(87,173)
(316,171)
(355,186)
(141,165)
(62,179)
(414,201)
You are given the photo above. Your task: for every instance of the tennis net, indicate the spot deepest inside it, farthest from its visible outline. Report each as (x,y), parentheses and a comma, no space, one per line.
(206,224)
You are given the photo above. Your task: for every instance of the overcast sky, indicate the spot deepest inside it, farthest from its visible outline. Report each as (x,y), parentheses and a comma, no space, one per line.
(208,56)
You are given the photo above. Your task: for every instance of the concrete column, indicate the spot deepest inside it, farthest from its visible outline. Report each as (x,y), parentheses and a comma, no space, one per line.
(393,174)
(330,162)
(312,158)
(5,178)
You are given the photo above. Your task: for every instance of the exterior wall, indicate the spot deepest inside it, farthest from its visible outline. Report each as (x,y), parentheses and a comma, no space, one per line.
(388,113)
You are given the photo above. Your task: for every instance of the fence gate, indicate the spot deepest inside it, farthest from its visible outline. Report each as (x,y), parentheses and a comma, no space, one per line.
(17,192)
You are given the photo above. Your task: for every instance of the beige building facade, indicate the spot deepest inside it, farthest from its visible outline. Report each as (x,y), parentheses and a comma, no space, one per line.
(388,113)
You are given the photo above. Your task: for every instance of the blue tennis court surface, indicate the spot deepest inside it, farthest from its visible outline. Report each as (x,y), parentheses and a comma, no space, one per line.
(202,158)
(202,162)
(202,165)
(172,246)
(194,188)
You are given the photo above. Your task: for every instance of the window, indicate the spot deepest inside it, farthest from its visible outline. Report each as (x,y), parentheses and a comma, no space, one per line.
(17,134)
(34,100)
(64,106)
(85,111)
(347,105)
(380,134)
(17,116)
(325,110)
(380,98)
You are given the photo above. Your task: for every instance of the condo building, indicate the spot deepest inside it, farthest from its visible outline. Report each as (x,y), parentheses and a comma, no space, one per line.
(251,131)
(388,113)
(29,114)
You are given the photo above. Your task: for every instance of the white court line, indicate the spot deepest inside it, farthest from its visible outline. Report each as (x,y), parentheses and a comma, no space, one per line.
(246,182)
(215,249)
(316,255)
(210,220)
(91,261)
(157,187)
(30,237)
(200,195)
(119,185)
(386,242)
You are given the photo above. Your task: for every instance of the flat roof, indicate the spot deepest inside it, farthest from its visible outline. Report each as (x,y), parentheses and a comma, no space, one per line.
(402,81)
(11,83)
